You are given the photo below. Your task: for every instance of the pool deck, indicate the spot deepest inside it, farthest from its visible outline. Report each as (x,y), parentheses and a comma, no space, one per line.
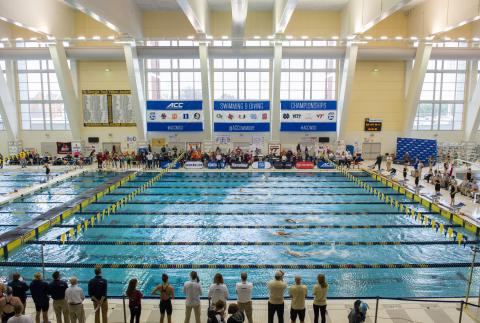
(389,312)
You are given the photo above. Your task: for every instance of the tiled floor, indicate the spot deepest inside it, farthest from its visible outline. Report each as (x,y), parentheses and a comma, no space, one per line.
(389,312)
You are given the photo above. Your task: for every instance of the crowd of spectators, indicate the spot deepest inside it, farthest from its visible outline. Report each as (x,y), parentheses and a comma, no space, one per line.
(68,299)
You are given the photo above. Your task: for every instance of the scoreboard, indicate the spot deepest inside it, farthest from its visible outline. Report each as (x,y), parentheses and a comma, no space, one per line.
(373,124)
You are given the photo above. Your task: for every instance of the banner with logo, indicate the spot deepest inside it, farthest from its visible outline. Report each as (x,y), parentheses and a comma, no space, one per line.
(304,165)
(236,165)
(174,116)
(241,116)
(308,116)
(325,165)
(214,165)
(165,164)
(193,164)
(261,165)
(64,148)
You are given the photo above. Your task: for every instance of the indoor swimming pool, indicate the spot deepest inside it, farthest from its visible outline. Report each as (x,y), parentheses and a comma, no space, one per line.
(307,223)
(11,181)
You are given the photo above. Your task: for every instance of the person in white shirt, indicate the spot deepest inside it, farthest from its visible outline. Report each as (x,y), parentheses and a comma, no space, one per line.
(218,290)
(19,317)
(75,296)
(192,290)
(244,296)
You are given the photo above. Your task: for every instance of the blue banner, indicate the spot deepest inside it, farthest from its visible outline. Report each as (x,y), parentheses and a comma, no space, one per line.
(174,116)
(308,116)
(241,116)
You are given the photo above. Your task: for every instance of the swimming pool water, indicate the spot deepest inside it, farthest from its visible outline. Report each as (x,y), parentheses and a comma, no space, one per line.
(15,180)
(206,201)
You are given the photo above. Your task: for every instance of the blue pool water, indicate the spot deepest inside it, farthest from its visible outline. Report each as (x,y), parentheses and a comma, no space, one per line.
(203,200)
(25,209)
(15,180)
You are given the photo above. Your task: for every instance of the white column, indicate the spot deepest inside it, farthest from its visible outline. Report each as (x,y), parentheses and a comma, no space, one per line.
(345,91)
(415,86)
(472,111)
(206,93)
(8,107)
(275,101)
(67,87)
(138,96)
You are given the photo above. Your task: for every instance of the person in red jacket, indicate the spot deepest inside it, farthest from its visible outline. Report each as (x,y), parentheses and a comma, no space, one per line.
(134,300)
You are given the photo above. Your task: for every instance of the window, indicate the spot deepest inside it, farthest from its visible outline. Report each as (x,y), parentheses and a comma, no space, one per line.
(308,79)
(41,102)
(241,79)
(173,79)
(2,72)
(442,98)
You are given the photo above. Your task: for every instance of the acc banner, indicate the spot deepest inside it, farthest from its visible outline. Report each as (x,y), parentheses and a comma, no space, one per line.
(308,116)
(241,116)
(176,116)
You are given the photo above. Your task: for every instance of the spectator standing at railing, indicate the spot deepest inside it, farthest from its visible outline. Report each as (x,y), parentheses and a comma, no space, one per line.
(18,316)
(19,288)
(97,289)
(56,289)
(244,296)
(297,292)
(8,304)
(276,288)
(74,296)
(218,290)
(166,295)
(134,300)
(39,291)
(192,291)
(320,298)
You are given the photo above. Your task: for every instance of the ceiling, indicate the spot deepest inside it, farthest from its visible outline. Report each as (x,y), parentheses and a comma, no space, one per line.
(260,5)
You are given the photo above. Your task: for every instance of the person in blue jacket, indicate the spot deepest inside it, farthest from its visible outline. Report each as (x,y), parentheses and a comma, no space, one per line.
(39,291)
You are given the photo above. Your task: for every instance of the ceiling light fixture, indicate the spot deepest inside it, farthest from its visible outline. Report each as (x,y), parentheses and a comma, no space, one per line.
(383,37)
(81,37)
(96,38)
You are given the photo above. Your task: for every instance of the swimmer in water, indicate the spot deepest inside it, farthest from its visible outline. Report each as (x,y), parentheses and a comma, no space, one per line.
(281,233)
(290,221)
(299,254)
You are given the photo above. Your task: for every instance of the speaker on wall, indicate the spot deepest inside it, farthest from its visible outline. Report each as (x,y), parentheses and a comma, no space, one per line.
(93,140)
(323,139)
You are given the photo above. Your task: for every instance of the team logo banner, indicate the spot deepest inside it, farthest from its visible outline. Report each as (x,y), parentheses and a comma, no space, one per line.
(308,116)
(177,116)
(241,116)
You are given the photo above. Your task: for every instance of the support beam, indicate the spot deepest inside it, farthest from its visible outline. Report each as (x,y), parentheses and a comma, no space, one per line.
(50,17)
(67,87)
(422,57)
(122,16)
(276,78)
(437,16)
(8,107)
(138,98)
(345,92)
(239,19)
(197,13)
(206,91)
(283,11)
(472,114)
(358,16)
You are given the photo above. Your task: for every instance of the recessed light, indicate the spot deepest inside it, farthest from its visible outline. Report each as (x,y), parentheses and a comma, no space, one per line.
(368,37)
(399,38)
(191,37)
(289,37)
(111,37)
(96,37)
(304,37)
(16,23)
(476,39)
(81,37)
(256,37)
(446,38)
(224,37)
(414,38)
(376,70)
(209,37)
(271,37)
(33,38)
(107,70)
(334,37)
(383,37)
(19,38)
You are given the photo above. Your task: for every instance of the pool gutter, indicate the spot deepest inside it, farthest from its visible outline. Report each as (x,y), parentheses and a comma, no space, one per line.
(33,228)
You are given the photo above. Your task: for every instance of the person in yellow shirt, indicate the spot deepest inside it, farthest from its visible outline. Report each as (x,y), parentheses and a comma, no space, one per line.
(276,288)
(297,292)
(320,298)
